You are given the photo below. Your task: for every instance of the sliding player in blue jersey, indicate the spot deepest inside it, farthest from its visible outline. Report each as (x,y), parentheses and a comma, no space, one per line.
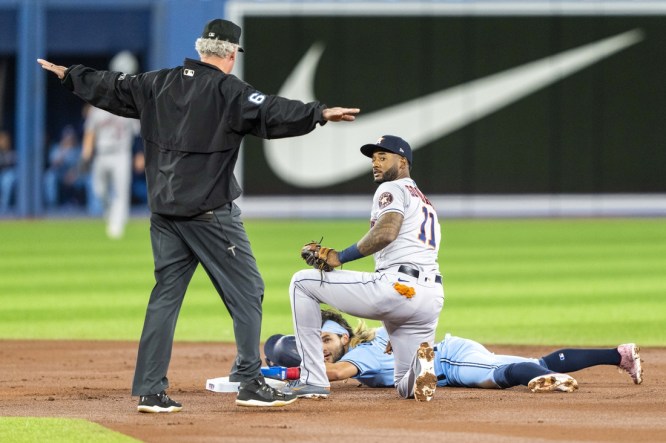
(360,354)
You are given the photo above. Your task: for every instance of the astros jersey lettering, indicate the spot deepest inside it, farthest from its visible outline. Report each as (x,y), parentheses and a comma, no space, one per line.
(418,242)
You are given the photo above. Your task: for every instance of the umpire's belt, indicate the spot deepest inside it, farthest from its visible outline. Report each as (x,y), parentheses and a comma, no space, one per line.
(414,273)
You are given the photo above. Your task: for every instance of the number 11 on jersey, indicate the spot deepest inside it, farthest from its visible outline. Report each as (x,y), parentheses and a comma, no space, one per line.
(428,220)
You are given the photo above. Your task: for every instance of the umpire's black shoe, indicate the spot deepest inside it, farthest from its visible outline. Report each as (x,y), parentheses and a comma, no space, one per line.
(257,393)
(158,403)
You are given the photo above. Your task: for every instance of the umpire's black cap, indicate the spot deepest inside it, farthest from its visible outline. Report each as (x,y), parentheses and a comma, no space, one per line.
(219,29)
(389,143)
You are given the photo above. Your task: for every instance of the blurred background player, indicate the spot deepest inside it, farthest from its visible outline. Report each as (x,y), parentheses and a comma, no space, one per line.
(64,180)
(108,141)
(459,362)
(7,171)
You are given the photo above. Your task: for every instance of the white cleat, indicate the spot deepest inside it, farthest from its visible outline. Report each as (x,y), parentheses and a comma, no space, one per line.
(631,362)
(426,379)
(553,382)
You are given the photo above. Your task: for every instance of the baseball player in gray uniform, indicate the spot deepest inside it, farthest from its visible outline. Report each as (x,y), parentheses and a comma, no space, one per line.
(405,292)
(110,137)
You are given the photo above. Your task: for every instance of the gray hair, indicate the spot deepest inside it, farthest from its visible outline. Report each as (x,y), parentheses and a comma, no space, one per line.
(210,46)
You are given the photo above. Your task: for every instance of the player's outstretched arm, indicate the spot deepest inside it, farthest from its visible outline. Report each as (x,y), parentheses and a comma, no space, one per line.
(341,370)
(340,114)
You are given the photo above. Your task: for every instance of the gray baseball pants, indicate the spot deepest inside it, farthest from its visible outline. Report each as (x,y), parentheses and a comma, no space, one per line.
(408,321)
(112,180)
(219,242)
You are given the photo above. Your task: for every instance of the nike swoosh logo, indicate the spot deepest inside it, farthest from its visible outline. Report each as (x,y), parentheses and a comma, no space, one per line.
(401,280)
(331,155)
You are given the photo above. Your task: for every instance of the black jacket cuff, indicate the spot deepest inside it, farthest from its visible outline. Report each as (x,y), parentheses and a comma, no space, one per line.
(67,79)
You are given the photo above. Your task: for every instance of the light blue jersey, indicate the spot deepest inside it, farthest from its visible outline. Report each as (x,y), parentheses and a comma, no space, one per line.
(466,363)
(458,362)
(375,367)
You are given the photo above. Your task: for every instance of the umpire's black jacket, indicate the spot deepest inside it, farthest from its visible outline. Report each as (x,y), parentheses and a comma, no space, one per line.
(193,119)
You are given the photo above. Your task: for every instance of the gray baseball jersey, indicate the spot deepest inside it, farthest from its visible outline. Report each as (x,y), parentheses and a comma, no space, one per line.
(112,165)
(112,133)
(417,244)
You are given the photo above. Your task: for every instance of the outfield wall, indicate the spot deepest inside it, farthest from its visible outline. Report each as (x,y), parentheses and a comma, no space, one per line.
(513,108)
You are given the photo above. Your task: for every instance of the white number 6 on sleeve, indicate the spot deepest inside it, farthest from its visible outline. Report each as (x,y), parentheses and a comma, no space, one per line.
(257,98)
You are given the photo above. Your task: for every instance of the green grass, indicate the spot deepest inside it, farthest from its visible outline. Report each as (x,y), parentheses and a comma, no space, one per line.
(551,282)
(56,430)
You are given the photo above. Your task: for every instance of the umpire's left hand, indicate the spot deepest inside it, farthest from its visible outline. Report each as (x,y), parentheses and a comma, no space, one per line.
(57,70)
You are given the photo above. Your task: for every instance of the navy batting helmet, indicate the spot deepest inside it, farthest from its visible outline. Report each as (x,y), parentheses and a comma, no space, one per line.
(280,350)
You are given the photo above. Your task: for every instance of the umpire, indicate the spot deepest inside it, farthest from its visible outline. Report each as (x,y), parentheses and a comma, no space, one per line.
(193,119)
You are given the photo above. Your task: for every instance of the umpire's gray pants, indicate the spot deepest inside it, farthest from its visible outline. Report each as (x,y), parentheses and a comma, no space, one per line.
(221,245)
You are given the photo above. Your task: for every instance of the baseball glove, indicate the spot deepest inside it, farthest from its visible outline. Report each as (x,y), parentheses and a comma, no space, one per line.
(315,255)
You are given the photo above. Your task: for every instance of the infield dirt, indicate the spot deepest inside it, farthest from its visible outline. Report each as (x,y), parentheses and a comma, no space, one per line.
(91,380)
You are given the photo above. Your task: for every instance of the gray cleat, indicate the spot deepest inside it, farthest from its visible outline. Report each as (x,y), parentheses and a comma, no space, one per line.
(300,389)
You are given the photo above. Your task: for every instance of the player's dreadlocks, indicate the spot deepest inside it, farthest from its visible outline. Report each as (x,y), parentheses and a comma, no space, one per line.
(360,334)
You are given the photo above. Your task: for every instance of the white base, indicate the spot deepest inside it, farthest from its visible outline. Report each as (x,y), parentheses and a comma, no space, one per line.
(222,384)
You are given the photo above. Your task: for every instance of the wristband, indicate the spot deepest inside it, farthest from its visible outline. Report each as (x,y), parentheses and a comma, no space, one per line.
(349,254)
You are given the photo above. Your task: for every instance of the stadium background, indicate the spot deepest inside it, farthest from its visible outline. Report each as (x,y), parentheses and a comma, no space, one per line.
(589,144)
